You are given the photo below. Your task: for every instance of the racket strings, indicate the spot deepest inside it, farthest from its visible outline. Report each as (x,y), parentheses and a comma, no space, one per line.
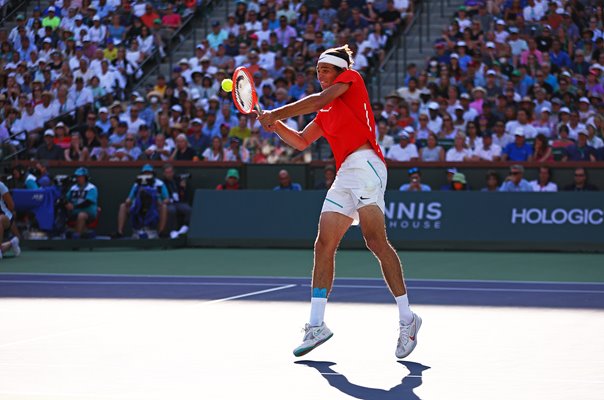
(244,92)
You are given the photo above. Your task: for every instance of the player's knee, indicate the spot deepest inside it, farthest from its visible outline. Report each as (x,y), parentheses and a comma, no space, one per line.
(82,216)
(376,243)
(325,244)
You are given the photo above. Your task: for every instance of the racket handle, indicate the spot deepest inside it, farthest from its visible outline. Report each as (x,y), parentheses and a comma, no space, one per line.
(257,108)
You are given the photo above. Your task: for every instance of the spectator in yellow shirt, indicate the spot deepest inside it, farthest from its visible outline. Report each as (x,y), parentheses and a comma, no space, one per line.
(51,19)
(241,131)
(110,52)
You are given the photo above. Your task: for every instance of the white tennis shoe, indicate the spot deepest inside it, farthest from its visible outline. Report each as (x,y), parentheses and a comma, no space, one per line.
(407,339)
(314,336)
(14,242)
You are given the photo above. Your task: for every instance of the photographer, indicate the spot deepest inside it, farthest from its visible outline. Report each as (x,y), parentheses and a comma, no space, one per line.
(146,203)
(179,210)
(415,184)
(81,202)
(19,178)
(7,211)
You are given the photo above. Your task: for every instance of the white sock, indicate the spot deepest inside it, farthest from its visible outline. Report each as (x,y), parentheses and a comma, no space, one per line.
(404,312)
(317,310)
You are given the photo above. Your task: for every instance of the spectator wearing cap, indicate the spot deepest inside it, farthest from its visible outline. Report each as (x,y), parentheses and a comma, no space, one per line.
(519,150)
(237,152)
(405,151)
(469,113)
(580,151)
(435,121)
(592,139)
(217,36)
(516,42)
(81,202)
(459,152)
(415,182)
(585,111)
(501,34)
(231,181)
(183,151)
(48,150)
(51,19)
(515,181)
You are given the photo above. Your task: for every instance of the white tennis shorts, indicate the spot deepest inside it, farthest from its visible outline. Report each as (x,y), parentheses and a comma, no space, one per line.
(361,181)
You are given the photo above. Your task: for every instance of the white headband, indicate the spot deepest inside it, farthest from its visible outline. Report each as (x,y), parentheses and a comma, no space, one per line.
(337,61)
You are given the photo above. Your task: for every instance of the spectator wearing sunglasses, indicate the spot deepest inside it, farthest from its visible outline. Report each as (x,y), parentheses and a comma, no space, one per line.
(515,181)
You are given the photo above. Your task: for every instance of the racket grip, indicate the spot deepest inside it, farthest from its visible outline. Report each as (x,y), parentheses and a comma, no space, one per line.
(257,108)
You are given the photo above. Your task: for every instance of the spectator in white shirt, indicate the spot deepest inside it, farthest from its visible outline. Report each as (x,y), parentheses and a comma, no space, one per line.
(97,32)
(458,152)
(469,113)
(487,151)
(521,121)
(80,94)
(544,183)
(405,151)
(435,122)
(46,110)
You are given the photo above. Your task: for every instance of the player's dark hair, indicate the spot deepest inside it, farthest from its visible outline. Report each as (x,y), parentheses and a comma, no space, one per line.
(342,52)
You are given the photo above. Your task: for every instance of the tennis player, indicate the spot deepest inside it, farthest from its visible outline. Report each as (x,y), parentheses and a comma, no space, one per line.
(345,119)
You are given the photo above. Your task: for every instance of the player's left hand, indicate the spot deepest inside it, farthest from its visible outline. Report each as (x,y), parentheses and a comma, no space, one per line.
(267,118)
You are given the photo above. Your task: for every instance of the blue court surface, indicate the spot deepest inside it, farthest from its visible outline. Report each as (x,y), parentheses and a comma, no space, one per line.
(67,336)
(445,292)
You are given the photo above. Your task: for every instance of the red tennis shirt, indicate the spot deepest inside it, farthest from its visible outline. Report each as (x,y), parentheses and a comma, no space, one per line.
(347,122)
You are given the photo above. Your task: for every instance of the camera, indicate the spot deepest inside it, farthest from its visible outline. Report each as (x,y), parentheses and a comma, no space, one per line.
(64,182)
(184,177)
(145,180)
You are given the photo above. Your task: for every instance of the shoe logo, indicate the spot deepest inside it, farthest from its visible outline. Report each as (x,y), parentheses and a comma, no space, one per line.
(365,198)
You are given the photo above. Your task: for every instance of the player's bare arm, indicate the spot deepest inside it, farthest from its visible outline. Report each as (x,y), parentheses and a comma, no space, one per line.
(303,106)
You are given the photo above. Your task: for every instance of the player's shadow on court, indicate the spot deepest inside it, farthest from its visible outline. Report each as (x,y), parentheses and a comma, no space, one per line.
(402,391)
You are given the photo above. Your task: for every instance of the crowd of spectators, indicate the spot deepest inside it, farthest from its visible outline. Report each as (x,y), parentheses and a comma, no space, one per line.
(70,55)
(516,80)
(63,65)
(508,80)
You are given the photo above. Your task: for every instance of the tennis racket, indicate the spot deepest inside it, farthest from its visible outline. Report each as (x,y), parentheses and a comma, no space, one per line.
(244,92)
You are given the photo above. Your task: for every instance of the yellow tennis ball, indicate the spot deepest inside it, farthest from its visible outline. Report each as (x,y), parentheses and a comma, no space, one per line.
(227,85)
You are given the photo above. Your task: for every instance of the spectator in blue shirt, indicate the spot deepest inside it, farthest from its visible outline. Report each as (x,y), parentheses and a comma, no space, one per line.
(515,181)
(415,184)
(558,56)
(519,150)
(580,151)
(297,90)
(285,182)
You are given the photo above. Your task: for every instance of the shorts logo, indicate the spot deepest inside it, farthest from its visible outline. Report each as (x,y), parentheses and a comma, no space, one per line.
(365,198)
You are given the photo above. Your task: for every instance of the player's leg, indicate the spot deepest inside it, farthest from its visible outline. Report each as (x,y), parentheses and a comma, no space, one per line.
(374,231)
(4,225)
(332,227)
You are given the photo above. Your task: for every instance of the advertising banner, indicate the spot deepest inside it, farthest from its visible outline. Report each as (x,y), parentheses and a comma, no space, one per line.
(440,220)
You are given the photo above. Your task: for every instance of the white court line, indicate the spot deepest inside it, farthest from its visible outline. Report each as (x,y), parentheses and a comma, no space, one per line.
(462,289)
(51,282)
(295,277)
(61,333)
(250,294)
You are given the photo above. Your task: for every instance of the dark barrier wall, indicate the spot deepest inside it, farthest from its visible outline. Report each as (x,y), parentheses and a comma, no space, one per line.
(115,179)
(438,220)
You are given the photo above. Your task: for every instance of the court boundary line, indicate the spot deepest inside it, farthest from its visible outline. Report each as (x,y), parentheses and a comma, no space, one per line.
(293,277)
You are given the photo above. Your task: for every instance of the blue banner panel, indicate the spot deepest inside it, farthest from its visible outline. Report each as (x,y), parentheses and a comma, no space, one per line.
(440,220)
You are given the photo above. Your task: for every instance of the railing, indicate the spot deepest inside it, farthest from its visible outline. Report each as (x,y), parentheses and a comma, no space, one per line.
(14,6)
(422,19)
(170,50)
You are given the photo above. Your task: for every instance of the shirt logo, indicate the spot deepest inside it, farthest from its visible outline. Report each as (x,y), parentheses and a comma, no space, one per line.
(322,110)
